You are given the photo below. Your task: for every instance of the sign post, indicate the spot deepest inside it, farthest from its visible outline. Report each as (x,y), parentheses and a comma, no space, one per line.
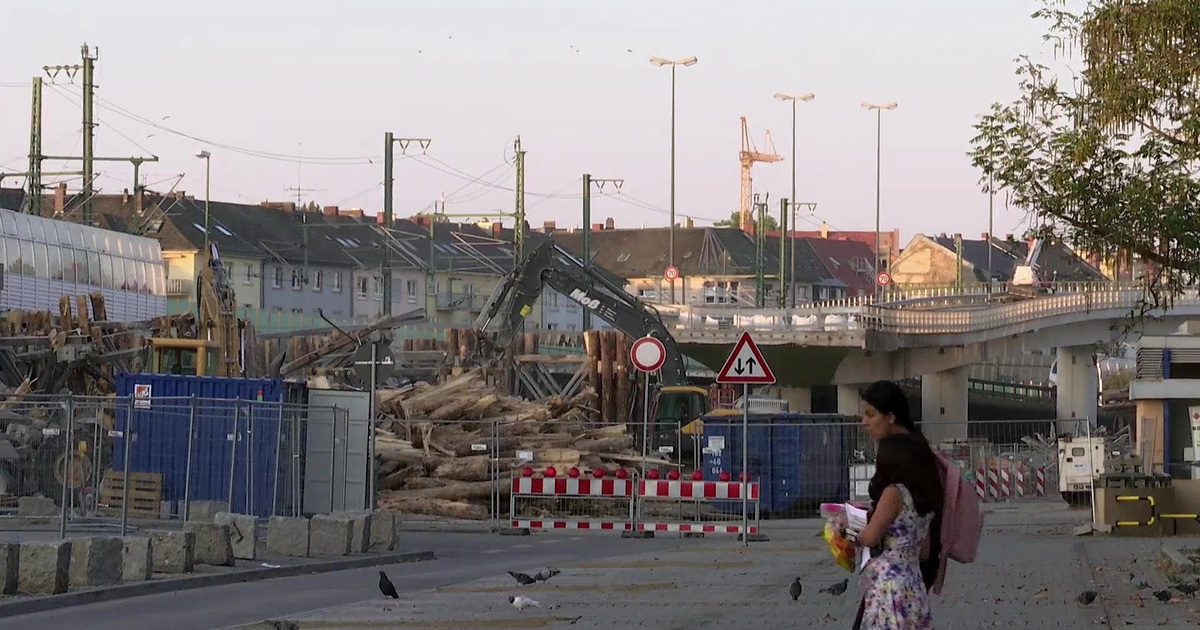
(746,366)
(647,355)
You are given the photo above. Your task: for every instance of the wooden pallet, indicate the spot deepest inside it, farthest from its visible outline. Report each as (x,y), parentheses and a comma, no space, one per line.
(145,493)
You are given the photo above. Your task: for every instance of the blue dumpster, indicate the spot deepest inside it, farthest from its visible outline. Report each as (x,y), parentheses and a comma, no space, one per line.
(799,460)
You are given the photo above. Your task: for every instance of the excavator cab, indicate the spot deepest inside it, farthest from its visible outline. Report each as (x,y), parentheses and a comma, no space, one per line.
(676,414)
(193,357)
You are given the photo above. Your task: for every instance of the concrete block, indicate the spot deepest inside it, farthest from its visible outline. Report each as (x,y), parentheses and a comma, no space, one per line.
(43,568)
(10,561)
(206,511)
(330,535)
(172,552)
(95,561)
(212,544)
(385,530)
(137,562)
(243,533)
(360,526)
(288,536)
(37,506)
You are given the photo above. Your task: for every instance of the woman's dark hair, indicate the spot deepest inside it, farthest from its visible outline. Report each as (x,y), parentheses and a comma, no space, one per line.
(887,397)
(908,459)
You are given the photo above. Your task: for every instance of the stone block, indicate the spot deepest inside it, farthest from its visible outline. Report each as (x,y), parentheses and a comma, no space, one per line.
(137,562)
(243,533)
(43,567)
(385,530)
(37,506)
(212,544)
(172,552)
(330,535)
(205,511)
(360,530)
(288,536)
(10,561)
(95,561)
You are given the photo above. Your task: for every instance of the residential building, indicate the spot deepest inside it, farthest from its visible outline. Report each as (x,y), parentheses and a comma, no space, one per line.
(849,261)
(889,242)
(949,259)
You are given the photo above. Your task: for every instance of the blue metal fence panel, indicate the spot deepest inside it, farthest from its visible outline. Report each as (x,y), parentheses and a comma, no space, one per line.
(235,432)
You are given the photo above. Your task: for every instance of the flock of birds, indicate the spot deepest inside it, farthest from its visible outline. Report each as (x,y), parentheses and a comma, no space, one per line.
(520,602)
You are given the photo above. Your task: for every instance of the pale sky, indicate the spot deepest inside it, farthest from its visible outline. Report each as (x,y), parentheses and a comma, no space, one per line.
(258,82)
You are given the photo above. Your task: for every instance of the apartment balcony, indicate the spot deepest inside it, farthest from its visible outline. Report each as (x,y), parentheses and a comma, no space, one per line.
(181,287)
(453,301)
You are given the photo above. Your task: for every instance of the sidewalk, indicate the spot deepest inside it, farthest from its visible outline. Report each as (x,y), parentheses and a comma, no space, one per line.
(1026,576)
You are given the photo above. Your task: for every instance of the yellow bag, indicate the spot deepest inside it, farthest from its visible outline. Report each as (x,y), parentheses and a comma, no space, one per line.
(842,549)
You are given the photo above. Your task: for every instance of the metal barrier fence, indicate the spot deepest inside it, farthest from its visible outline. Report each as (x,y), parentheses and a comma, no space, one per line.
(124,461)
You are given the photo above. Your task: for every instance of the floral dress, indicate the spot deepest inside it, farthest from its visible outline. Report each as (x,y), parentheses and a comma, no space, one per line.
(895,593)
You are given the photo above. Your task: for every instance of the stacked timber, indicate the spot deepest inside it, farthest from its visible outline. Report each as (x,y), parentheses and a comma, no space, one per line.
(444,449)
(611,374)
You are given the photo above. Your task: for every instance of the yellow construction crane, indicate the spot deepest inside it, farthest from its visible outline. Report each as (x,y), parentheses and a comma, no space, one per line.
(749,155)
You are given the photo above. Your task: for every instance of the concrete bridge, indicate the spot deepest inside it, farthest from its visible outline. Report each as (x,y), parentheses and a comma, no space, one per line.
(935,337)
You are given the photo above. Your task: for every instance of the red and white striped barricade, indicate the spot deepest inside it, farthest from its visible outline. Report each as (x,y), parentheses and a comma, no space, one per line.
(683,492)
(573,491)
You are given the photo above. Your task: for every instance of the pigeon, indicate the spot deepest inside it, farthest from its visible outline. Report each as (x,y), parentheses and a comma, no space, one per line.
(1087,597)
(522,578)
(544,576)
(521,603)
(1163,596)
(386,587)
(1187,589)
(1143,585)
(796,589)
(836,589)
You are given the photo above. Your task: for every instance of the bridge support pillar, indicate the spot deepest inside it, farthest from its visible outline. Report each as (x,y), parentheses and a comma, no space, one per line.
(1078,389)
(848,403)
(944,404)
(799,399)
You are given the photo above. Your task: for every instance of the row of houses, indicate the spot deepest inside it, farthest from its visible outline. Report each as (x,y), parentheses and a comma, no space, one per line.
(287,259)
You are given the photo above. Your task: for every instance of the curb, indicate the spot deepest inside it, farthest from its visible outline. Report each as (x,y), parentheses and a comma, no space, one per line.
(1173,561)
(140,589)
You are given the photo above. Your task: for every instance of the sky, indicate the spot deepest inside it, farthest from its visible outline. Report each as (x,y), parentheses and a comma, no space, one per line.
(299,94)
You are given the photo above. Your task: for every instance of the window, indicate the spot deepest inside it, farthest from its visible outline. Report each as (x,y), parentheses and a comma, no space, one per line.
(622,257)
(411,290)
(249,277)
(318,280)
(297,279)
(298,311)
(277,279)
(378,289)
(362,287)
(337,282)
(221,229)
(553,299)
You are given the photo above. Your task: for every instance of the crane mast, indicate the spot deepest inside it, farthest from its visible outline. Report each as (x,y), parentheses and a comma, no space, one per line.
(748,156)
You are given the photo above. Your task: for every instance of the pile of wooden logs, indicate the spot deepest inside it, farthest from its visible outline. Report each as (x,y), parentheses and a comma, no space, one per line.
(435,444)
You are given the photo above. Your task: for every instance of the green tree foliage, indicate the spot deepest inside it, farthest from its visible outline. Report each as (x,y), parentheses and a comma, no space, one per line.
(1107,159)
(735,220)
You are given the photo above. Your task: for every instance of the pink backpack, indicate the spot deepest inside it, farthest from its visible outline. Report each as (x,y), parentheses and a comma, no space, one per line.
(962,519)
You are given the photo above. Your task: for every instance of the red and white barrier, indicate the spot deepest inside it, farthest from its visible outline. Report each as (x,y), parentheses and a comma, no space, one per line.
(981,483)
(590,525)
(694,528)
(1040,482)
(706,490)
(561,486)
(1004,484)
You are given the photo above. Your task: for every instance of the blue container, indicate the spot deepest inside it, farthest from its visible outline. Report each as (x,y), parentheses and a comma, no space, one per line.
(799,460)
(234,438)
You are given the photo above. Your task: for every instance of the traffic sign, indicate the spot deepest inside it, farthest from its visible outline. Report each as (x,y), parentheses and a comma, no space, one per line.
(883,278)
(746,364)
(671,273)
(648,354)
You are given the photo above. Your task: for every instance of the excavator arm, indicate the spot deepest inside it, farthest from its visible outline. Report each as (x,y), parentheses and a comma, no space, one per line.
(550,265)
(218,315)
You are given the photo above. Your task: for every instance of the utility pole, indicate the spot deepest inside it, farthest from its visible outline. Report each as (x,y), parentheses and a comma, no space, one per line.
(89,130)
(812,207)
(783,257)
(519,210)
(588,180)
(33,200)
(760,251)
(388,215)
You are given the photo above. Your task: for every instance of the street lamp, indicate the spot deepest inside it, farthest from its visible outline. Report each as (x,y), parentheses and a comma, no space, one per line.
(674,63)
(878,164)
(991,215)
(207,157)
(780,96)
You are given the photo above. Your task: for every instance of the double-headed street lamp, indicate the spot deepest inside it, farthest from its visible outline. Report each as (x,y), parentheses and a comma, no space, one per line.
(878,163)
(674,63)
(207,157)
(780,96)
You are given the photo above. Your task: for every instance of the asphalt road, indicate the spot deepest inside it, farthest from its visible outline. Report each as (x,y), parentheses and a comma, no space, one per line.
(461,557)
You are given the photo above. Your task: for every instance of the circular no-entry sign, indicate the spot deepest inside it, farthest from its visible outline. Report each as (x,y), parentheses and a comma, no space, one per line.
(648,354)
(671,273)
(883,278)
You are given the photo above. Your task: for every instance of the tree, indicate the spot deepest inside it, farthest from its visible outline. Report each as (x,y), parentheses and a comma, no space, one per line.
(1109,163)
(735,220)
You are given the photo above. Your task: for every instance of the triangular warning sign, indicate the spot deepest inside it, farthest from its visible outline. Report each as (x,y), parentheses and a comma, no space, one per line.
(746,364)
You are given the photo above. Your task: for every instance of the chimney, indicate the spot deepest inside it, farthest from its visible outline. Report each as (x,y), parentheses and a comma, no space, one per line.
(124,196)
(497,229)
(609,224)
(548,226)
(984,236)
(421,220)
(330,211)
(60,198)
(688,222)
(957,237)
(824,230)
(379,218)
(597,227)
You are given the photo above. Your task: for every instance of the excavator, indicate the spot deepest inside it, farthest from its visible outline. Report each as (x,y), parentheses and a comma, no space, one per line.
(218,348)
(676,404)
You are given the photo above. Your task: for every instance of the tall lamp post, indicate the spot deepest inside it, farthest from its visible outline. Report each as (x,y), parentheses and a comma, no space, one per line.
(207,157)
(783,234)
(991,217)
(673,63)
(878,165)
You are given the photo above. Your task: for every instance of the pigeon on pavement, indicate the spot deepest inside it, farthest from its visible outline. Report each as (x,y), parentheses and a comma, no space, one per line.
(1187,589)
(522,578)
(796,589)
(545,575)
(386,587)
(836,589)
(1163,595)
(521,603)
(1087,597)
